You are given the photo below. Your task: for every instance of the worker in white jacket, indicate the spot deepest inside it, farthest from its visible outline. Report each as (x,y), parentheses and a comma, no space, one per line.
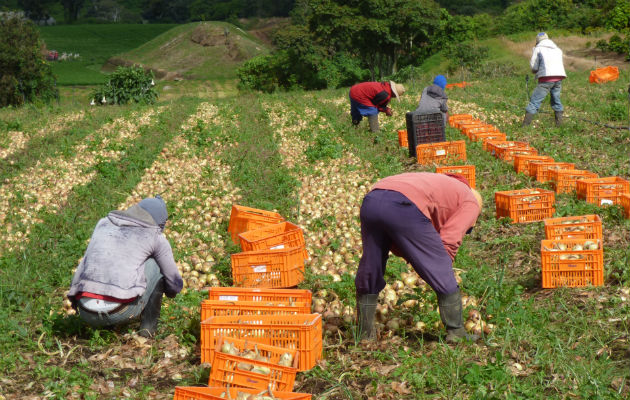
(546,63)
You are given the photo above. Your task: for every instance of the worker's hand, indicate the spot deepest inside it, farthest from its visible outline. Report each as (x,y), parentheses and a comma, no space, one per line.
(389,112)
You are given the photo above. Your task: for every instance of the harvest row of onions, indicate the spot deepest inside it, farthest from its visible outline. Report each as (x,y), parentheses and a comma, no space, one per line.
(48,184)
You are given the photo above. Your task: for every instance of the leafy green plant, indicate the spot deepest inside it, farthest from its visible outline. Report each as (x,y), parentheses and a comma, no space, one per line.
(466,55)
(125,85)
(26,77)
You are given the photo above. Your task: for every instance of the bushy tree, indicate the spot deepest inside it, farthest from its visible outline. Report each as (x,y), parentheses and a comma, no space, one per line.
(125,85)
(26,76)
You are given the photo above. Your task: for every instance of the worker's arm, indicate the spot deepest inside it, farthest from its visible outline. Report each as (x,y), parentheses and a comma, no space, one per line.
(534,62)
(453,231)
(381,100)
(163,255)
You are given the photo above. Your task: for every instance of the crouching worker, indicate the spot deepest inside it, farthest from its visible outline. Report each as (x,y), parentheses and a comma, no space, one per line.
(126,269)
(422,217)
(367,99)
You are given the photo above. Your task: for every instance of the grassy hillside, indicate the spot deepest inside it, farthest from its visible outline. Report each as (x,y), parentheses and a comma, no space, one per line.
(202,50)
(94,44)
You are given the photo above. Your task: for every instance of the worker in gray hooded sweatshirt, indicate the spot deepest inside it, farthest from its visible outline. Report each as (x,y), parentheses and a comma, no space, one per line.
(546,63)
(433,99)
(126,269)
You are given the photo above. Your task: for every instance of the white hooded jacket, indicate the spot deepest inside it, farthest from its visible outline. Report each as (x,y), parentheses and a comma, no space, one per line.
(547,60)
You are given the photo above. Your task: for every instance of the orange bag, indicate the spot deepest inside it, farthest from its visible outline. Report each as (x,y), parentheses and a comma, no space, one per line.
(606,74)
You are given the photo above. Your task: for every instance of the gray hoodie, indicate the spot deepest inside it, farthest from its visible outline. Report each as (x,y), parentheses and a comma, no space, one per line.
(113,264)
(433,100)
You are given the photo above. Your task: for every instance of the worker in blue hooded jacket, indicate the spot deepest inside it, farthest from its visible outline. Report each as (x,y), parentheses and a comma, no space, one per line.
(127,268)
(433,99)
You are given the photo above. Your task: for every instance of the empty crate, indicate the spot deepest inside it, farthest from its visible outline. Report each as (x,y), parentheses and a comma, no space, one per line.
(281,268)
(271,237)
(243,219)
(424,128)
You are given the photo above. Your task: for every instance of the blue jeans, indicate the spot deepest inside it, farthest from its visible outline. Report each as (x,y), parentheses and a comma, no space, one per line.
(539,94)
(358,110)
(128,311)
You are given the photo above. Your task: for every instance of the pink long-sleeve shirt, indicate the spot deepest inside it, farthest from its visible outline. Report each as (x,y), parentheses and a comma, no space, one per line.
(447,202)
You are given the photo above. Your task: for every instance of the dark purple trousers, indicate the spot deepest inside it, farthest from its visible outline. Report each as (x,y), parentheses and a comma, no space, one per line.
(388,217)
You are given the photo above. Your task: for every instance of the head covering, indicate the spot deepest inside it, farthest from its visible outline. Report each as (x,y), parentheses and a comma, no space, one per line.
(157,208)
(397,89)
(541,36)
(440,80)
(460,178)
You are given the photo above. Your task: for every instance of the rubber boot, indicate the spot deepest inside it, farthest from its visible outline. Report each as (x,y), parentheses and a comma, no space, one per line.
(528,119)
(559,117)
(373,120)
(451,315)
(366,309)
(151,313)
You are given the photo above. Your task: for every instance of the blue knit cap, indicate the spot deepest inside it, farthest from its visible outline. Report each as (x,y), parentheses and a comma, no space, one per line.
(157,208)
(440,80)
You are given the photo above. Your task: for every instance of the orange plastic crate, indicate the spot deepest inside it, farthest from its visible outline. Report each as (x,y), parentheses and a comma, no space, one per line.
(565,180)
(258,294)
(458,117)
(485,137)
(243,219)
(402,138)
(272,237)
(564,268)
(539,170)
(225,367)
(460,123)
(214,308)
(302,332)
(215,393)
(625,203)
(521,161)
(486,128)
(282,268)
(509,154)
(604,74)
(525,205)
(579,227)
(602,191)
(494,146)
(467,171)
(441,152)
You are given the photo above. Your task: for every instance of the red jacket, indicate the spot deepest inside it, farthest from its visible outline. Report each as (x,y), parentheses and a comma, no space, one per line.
(372,94)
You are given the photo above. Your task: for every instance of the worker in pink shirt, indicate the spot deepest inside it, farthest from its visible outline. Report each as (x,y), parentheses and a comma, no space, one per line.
(421,217)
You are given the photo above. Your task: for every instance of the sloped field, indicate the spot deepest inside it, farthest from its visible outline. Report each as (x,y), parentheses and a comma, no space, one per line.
(298,154)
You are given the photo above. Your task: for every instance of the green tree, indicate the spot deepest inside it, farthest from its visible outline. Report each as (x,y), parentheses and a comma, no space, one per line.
(36,9)
(26,77)
(71,9)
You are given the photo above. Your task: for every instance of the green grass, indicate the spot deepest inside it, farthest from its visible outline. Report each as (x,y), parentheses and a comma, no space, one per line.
(95,43)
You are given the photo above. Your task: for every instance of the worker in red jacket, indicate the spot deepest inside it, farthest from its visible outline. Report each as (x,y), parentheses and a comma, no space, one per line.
(367,99)
(421,217)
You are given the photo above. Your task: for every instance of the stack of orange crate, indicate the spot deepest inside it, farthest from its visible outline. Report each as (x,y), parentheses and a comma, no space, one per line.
(572,253)
(467,171)
(441,152)
(565,180)
(602,191)
(525,205)
(273,251)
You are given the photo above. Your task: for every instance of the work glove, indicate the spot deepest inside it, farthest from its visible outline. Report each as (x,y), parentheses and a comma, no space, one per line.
(389,112)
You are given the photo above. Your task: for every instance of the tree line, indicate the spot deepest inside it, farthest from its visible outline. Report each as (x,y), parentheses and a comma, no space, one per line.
(337,43)
(133,11)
